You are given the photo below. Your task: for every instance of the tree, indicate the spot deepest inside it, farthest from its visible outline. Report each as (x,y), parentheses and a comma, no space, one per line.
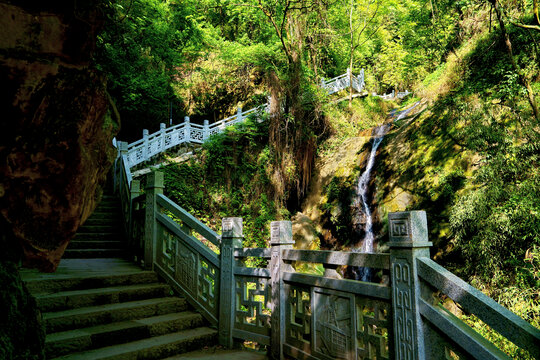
(522,77)
(359,22)
(291,131)
(142,44)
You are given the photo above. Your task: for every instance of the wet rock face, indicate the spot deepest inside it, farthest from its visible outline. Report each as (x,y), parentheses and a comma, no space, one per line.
(55,142)
(21,334)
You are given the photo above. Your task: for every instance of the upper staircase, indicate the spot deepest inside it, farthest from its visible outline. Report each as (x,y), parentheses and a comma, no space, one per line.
(101,236)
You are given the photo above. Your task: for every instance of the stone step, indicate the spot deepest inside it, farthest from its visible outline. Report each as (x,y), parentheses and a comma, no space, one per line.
(101,228)
(107,206)
(102,236)
(110,220)
(104,314)
(93,253)
(103,214)
(156,347)
(95,244)
(68,282)
(109,197)
(218,353)
(65,300)
(62,343)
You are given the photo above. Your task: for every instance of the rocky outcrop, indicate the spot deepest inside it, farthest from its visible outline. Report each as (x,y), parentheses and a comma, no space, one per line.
(55,145)
(21,333)
(55,149)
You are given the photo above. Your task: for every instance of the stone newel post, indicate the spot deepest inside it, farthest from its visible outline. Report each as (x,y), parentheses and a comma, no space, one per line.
(154,186)
(145,135)
(187,129)
(408,241)
(232,236)
(162,129)
(122,150)
(206,130)
(135,190)
(281,238)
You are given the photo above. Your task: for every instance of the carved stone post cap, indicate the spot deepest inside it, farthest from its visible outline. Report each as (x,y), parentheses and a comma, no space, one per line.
(232,227)
(162,126)
(186,118)
(281,233)
(206,122)
(408,229)
(145,132)
(154,180)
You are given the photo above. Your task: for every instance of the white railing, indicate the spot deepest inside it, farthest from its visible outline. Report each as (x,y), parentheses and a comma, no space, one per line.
(187,132)
(392,95)
(343,81)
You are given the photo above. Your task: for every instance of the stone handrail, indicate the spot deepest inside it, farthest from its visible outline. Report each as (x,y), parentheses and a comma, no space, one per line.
(392,95)
(343,81)
(473,301)
(303,315)
(187,132)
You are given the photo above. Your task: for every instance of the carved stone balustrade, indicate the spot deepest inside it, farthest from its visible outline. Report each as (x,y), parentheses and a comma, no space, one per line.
(313,315)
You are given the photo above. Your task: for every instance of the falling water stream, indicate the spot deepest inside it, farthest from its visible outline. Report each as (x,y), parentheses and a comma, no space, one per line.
(361,200)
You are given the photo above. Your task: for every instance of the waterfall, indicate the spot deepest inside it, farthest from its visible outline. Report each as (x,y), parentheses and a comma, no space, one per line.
(361,200)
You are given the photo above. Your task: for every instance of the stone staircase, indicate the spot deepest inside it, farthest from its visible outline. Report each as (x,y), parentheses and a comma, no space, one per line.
(101,236)
(100,306)
(110,309)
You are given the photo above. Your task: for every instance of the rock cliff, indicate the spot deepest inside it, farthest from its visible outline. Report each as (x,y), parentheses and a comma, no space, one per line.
(55,148)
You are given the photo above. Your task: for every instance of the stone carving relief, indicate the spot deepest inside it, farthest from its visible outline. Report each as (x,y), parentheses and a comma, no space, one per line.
(186,268)
(333,325)
(403,308)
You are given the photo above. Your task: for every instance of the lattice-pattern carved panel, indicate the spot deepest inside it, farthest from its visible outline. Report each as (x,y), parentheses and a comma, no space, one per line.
(298,316)
(373,326)
(139,156)
(168,141)
(166,249)
(191,270)
(197,135)
(180,136)
(154,147)
(208,278)
(252,299)
(334,325)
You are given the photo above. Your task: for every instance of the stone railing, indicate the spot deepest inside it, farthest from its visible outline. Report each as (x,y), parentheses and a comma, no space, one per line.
(307,316)
(343,82)
(187,132)
(392,95)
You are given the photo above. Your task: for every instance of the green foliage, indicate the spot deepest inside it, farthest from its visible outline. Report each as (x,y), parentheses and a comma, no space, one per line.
(335,212)
(142,44)
(346,122)
(522,299)
(229,179)
(20,320)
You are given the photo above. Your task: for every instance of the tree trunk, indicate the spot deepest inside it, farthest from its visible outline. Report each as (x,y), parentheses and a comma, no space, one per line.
(351,29)
(522,78)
